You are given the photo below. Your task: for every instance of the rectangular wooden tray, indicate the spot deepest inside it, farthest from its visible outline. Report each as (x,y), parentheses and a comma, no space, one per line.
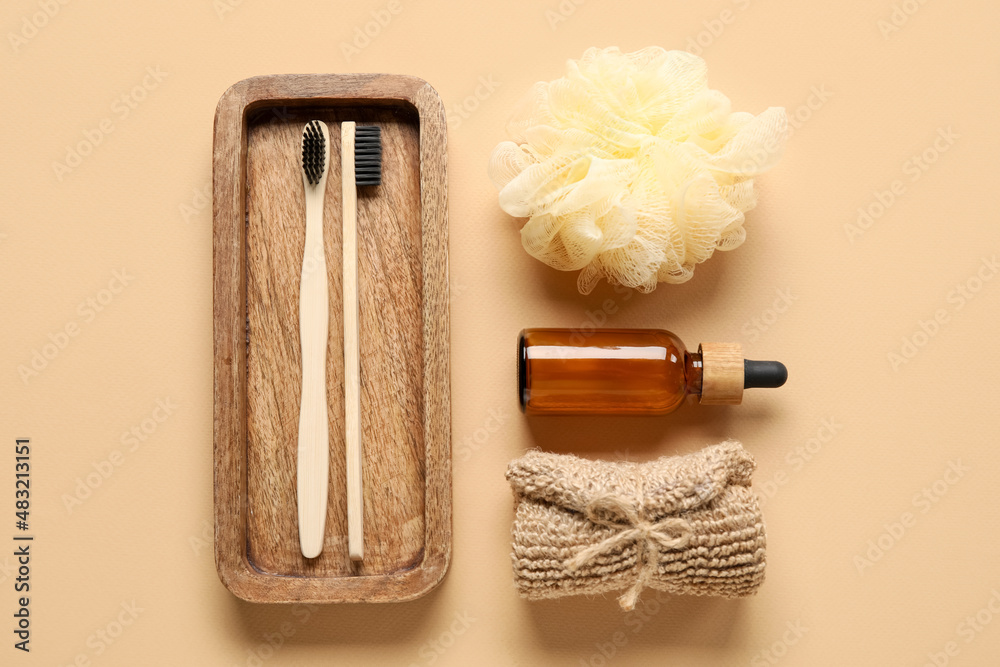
(259,233)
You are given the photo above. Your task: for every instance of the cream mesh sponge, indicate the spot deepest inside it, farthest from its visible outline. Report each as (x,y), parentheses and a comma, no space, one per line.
(682,524)
(630,168)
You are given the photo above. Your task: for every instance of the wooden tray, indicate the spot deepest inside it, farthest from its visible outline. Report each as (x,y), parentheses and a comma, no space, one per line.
(259,233)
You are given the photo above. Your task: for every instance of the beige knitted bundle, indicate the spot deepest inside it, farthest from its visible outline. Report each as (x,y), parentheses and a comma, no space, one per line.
(682,524)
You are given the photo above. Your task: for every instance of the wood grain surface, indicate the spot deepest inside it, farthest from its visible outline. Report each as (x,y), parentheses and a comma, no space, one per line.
(722,373)
(402,238)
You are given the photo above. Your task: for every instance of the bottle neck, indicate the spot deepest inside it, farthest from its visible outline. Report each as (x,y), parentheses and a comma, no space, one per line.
(693,372)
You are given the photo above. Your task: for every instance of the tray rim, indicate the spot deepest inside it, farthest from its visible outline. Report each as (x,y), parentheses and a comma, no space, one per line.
(229,342)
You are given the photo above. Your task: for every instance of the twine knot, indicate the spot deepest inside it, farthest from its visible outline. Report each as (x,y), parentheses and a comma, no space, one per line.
(670,534)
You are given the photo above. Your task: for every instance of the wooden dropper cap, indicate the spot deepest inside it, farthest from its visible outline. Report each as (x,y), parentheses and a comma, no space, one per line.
(725,373)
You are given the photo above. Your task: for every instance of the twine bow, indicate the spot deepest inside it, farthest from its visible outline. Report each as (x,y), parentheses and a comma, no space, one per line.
(670,534)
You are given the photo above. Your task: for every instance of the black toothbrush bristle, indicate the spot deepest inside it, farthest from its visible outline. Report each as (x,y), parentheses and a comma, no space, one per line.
(313,152)
(368,155)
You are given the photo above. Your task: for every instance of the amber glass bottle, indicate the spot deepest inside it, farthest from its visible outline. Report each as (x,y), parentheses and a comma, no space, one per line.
(630,371)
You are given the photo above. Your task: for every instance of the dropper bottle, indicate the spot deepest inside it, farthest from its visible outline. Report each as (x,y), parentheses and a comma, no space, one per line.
(631,371)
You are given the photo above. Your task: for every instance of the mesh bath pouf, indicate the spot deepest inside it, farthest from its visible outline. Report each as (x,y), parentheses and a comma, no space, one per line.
(630,168)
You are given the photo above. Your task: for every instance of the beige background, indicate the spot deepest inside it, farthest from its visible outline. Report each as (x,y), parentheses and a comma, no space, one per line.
(867,100)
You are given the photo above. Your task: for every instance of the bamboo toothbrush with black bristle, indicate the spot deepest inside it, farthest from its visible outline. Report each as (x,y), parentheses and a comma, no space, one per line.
(314,317)
(361,165)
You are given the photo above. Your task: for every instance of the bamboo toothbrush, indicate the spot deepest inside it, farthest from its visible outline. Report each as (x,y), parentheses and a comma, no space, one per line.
(314,316)
(361,165)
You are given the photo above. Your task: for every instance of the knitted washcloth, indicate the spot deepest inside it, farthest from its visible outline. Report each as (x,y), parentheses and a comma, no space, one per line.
(682,524)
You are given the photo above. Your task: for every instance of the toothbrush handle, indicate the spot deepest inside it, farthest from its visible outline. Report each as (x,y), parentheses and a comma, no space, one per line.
(313,446)
(352,348)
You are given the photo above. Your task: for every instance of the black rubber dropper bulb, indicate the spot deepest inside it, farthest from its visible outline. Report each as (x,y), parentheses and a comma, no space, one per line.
(763,374)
